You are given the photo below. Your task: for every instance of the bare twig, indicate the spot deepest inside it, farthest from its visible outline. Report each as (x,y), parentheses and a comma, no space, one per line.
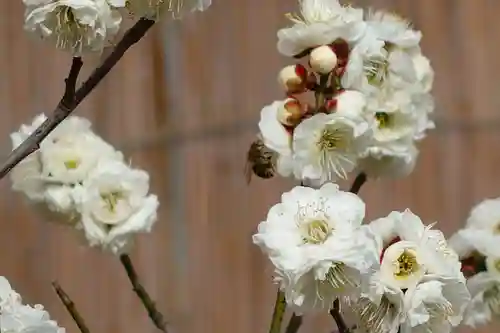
(294,324)
(147,302)
(278,313)
(337,316)
(70,307)
(71,98)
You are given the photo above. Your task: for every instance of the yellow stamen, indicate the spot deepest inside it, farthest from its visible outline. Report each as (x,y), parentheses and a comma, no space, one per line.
(406,265)
(316,232)
(111,200)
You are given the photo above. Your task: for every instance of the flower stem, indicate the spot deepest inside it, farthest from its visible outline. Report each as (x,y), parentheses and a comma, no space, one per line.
(278,313)
(319,94)
(337,316)
(70,307)
(294,324)
(359,181)
(147,302)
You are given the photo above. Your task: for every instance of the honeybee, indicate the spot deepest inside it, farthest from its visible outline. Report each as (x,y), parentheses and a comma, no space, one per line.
(261,161)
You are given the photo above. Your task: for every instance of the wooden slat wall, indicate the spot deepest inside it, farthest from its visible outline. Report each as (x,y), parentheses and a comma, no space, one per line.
(184,105)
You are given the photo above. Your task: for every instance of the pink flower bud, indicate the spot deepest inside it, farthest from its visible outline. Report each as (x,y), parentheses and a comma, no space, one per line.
(323,59)
(293,78)
(290,114)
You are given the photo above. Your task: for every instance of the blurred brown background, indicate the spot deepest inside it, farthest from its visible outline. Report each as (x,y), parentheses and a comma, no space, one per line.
(184,105)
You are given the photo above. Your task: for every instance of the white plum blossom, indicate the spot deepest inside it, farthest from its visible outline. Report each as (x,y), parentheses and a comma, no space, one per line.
(26,176)
(389,161)
(321,22)
(77,26)
(78,179)
(477,246)
(326,146)
(392,64)
(115,205)
(16,317)
(154,9)
(485,215)
(436,304)
(314,240)
(418,286)
(485,303)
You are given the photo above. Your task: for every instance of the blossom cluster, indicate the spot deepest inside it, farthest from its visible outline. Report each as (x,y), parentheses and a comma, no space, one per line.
(372,96)
(477,246)
(82,26)
(16,317)
(394,272)
(372,104)
(80,180)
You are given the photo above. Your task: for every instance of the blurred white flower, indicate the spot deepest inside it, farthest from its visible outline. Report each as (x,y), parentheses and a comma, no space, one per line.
(154,9)
(70,158)
(26,176)
(326,146)
(468,240)
(115,205)
(77,26)
(321,22)
(16,317)
(313,238)
(485,215)
(485,303)
(480,254)
(53,174)
(276,137)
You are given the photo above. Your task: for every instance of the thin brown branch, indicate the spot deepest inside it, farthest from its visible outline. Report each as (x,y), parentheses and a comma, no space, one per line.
(71,98)
(337,316)
(150,306)
(70,307)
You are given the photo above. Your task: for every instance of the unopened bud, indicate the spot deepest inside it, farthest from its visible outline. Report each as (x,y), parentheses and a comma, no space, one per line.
(290,114)
(323,59)
(293,78)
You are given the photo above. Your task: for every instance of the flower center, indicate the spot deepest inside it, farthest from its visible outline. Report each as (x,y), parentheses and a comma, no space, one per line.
(376,70)
(332,139)
(111,200)
(68,30)
(72,164)
(384,120)
(406,265)
(316,232)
